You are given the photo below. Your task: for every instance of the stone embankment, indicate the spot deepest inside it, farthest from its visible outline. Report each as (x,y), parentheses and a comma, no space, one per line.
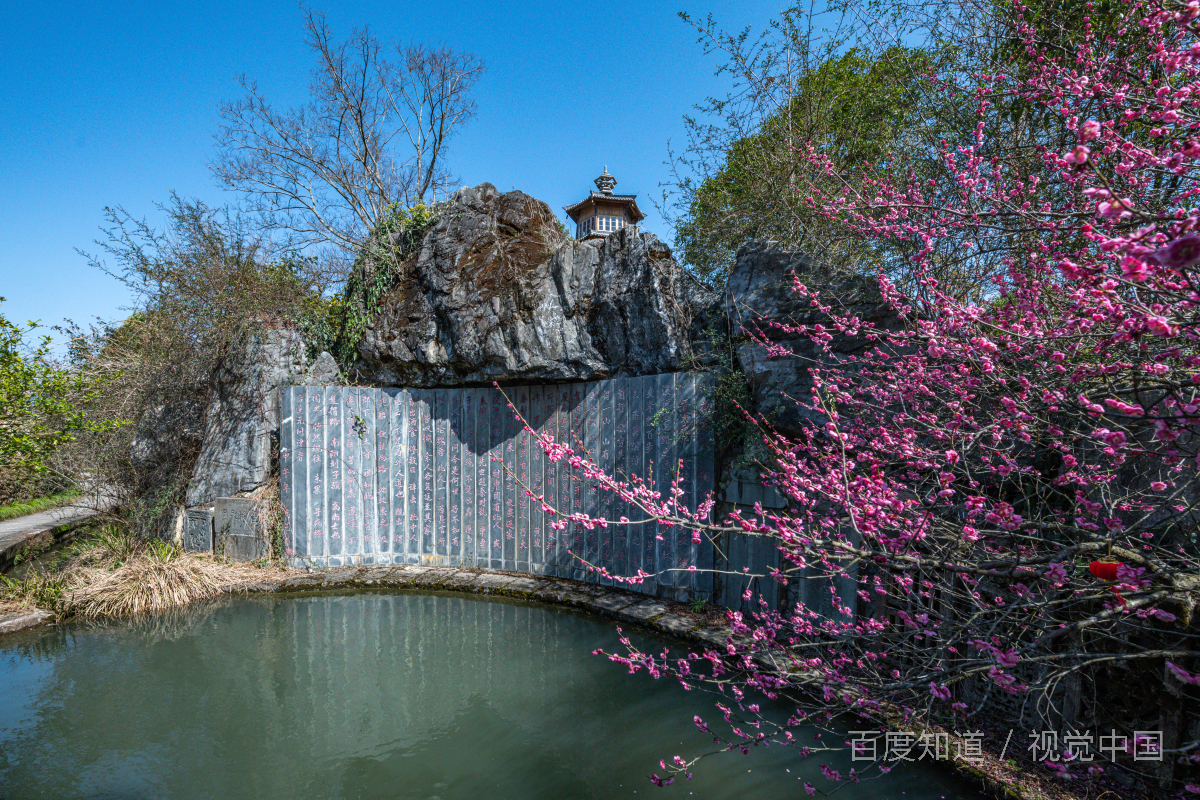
(13,621)
(619,604)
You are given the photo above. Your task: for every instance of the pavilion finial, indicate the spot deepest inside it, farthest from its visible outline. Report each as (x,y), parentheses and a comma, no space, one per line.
(606,182)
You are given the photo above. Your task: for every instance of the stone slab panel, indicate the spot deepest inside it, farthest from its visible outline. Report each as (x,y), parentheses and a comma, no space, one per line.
(713,637)
(523,586)
(406,575)
(612,603)
(237,533)
(578,599)
(373,575)
(339,575)
(643,611)
(772,660)
(674,624)
(434,577)
(489,584)
(554,590)
(589,591)
(462,580)
(198,531)
(302,583)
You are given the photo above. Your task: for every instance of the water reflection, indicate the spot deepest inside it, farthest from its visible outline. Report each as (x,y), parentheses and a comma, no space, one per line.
(368,695)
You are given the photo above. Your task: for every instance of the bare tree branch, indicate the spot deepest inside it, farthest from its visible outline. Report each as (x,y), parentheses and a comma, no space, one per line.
(373,134)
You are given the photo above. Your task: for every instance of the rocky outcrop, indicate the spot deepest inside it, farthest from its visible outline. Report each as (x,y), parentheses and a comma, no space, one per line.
(760,289)
(495,292)
(323,372)
(242,420)
(498,293)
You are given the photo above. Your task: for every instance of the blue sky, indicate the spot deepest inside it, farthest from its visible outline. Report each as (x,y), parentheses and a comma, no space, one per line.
(107,104)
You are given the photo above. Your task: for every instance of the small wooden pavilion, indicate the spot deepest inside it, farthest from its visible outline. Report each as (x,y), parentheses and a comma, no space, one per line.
(602,212)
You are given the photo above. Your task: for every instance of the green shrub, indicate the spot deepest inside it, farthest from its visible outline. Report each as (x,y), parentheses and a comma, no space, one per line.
(42,404)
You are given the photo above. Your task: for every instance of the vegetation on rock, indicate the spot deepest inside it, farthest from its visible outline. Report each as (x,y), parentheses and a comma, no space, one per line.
(336,324)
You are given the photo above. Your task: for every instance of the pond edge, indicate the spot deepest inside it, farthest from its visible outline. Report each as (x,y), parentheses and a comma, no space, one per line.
(606,601)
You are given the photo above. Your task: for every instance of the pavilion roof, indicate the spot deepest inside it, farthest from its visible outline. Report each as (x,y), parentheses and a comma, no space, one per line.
(604,197)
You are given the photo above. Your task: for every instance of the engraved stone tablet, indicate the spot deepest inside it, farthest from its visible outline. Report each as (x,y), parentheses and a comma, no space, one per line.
(238,535)
(198,531)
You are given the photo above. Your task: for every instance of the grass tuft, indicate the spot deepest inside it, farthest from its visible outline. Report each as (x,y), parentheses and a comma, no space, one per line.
(113,545)
(36,590)
(112,573)
(152,581)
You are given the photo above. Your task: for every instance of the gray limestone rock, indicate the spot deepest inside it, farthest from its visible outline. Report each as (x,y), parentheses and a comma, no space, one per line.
(323,372)
(760,289)
(243,419)
(496,292)
(13,621)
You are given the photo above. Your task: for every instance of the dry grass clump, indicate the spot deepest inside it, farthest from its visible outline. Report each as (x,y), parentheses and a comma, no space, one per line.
(111,573)
(149,581)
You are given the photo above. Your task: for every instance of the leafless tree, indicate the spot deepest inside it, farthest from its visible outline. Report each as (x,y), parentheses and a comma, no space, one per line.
(373,134)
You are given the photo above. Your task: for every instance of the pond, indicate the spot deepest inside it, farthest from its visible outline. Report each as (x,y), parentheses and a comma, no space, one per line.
(368,695)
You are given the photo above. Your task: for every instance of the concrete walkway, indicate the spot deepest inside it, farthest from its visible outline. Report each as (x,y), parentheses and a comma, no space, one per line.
(37,531)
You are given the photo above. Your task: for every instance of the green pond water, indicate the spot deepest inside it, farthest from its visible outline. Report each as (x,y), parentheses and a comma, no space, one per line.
(369,695)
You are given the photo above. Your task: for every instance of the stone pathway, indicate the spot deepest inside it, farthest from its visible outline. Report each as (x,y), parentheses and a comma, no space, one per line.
(37,531)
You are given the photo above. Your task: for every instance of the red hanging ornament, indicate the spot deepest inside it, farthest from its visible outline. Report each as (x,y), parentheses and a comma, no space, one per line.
(1107,571)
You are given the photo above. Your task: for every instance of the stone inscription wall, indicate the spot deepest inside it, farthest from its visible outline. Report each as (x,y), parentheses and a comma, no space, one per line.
(438,476)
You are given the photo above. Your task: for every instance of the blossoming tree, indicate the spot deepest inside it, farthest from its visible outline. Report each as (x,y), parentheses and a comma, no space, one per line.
(1008,485)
